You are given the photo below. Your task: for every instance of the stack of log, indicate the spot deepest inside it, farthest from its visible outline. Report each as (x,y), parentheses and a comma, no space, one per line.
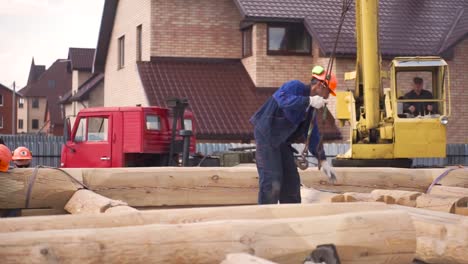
(441,198)
(105,224)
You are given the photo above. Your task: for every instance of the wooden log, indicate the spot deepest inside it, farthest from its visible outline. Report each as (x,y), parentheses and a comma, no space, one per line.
(51,189)
(160,186)
(441,237)
(405,198)
(310,195)
(244,258)
(41,212)
(180,216)
(446,204)
(88,202)
(366,197)
(449,191)
(365,237)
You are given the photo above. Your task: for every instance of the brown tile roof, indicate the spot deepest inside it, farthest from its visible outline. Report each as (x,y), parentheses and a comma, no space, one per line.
(406,27)
(87,87)
(220,92)
(105,31)
(61,79)
(35,71)
(81,59)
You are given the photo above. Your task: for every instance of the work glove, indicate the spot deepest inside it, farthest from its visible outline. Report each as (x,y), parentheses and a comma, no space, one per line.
(317,101)
(328,170)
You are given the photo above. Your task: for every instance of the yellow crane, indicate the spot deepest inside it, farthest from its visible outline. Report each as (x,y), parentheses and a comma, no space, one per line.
(381,133)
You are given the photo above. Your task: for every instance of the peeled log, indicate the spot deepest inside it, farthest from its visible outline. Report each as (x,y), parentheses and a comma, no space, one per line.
(195,186)
(244,258)
(365,237)
(405,198)
(181,216)
(449,191)
(442,238)
(51,189)
(367,197)
(453,205)
(88,202)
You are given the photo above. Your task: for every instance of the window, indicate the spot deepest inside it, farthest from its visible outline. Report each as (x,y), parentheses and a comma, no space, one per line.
(35,124)
(288,39)
(1,100)
(419,85)
(21,103)
(247,42)
(97,128)
(51,83)
(153,122)
(20,123)
(139,43)
(121,55)
(80,132)
(187,124)
(35,103)
(1,121)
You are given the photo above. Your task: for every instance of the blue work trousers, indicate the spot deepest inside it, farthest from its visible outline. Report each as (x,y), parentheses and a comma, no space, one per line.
(279,179)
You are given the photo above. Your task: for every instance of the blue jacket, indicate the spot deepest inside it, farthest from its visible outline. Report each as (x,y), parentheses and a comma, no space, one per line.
(286,116)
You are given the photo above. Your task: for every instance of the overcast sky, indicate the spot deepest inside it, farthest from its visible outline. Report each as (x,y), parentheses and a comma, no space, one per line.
(43,29)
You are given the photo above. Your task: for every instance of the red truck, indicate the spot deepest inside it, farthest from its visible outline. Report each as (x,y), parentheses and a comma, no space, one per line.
(128,137)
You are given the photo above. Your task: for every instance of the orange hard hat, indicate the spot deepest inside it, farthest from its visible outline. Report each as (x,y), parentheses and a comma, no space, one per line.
(22,153)
(321,74)
(5,158)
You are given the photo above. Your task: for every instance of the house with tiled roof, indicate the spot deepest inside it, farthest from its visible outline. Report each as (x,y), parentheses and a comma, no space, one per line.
(38,107)
(7,114)
(227,56)
(87,88)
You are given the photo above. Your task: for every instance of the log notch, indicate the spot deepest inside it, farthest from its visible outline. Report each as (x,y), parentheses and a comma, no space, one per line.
(181,216)
(88,202)
(448,204)
(368,197)
(365,237)
(244,258)
(441,237)
(405,198)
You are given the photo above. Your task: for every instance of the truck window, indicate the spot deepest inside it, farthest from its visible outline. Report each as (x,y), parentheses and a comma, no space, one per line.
(98,128)
(153,122)
(188,124)
(81,131)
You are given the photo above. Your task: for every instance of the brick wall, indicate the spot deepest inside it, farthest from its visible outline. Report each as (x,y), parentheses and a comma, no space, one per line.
(195,28)
(122,87)
(6,110)
(458,122)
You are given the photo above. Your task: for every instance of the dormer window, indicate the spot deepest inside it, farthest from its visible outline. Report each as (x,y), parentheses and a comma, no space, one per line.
(288,39)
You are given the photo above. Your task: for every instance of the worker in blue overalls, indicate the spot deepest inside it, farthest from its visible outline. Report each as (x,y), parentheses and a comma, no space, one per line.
(285,118)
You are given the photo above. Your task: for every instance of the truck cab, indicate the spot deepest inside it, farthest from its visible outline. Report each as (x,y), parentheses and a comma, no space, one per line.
(124,137)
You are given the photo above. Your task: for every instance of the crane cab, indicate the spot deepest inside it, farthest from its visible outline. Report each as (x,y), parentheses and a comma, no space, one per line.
(421,102)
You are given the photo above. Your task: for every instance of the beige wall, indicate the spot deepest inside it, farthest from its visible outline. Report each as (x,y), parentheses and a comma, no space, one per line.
(36,113)
(123,86)
(22,114)
(96,97)
(196,28)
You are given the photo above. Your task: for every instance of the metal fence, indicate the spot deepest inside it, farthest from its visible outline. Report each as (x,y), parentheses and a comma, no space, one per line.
(45,149)
(457,154)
